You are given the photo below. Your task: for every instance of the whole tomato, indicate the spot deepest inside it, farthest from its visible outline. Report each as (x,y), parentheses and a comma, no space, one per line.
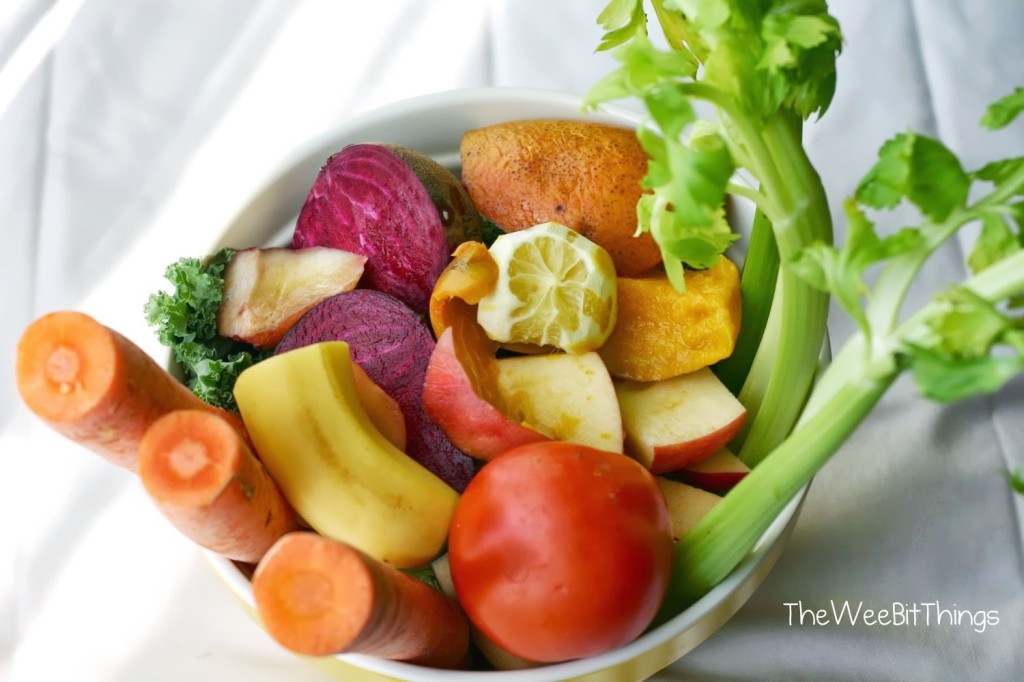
(560,551)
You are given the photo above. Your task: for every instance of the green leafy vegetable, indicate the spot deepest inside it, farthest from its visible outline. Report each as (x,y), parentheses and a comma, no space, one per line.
(764,67)
(491,231)
(1001,114)
(425,574)
(1017,481)
(186,322)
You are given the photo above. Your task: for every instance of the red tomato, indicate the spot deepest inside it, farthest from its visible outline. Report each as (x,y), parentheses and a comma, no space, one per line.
(560,551)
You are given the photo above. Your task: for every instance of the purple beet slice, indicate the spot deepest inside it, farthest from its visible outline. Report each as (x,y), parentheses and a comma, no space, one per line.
(401,209)
(393,346)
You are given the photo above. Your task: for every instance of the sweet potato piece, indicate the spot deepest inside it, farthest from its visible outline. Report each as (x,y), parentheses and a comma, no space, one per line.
(584,175)
(661,333)
(393,346)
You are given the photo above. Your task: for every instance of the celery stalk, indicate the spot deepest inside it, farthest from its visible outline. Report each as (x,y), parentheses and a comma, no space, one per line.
(757,289)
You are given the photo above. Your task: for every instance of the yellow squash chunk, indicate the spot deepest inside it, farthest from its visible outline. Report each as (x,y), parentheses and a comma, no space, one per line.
(340,474)
(661,333)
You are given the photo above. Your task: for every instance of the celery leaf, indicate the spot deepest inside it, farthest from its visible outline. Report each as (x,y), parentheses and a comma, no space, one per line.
(945,379)
(995,242)
(621,19)
(841,272)
(920,169)
(973,348)
(684,212)
(998,172)
(1017,480)
(968,324)
(1002,112)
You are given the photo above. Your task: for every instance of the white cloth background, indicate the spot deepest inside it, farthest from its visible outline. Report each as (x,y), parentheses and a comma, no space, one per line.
(134,141)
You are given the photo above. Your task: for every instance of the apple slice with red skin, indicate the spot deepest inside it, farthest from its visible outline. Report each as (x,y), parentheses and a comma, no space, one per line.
(266,291)
(673,423)
(719,472)
(457,399)
(567,396)
(686,504)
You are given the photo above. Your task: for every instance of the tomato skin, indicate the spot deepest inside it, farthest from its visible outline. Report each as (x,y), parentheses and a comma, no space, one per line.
(561,551)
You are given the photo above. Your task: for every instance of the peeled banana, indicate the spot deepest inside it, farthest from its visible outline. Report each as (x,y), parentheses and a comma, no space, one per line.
(340,474)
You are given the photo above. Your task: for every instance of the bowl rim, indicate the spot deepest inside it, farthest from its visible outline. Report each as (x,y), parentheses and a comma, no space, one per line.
(716,603)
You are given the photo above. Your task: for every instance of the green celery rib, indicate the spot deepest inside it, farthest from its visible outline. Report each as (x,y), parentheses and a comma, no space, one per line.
(757,288)
(796,190)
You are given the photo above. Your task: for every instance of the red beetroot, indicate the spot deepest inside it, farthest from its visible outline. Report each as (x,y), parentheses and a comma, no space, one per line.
(399,208)
(393,346)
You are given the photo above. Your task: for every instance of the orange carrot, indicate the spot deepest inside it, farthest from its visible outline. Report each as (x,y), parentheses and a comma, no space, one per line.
(208,483)
(96,387)
(318,596)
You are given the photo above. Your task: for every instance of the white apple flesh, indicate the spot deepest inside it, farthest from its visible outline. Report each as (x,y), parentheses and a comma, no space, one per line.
(569,397)
(686,504)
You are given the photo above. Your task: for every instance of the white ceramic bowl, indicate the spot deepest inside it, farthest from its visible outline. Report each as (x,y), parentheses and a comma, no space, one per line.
(434,125)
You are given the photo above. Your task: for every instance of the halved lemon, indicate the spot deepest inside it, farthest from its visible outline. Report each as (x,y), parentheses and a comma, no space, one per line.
(555,288)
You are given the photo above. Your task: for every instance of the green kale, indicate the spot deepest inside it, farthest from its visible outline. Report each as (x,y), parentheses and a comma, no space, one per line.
(186,322)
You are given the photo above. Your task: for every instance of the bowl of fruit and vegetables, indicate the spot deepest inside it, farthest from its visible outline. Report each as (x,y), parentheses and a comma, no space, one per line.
(486,385)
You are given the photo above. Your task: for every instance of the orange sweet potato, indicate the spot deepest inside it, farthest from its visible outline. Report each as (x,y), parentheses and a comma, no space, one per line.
(584,175)
(661,333)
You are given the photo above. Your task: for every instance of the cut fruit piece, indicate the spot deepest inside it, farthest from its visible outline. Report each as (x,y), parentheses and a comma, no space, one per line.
(567,397)
(342,476)
(266,291)
(555,288)
(663,333)
(719,472)
(461,407)
(671,424)
(686,504)
(470,276)
(393,344)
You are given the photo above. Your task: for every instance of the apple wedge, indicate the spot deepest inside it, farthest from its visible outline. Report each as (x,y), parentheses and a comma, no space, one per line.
(453,401)
(719,472)
(266,291)
(686,504)
(569,397)
(673,423)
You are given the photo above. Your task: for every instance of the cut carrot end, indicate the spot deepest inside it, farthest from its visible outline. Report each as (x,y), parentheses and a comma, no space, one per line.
(67,364)
(188,457)
(315,596)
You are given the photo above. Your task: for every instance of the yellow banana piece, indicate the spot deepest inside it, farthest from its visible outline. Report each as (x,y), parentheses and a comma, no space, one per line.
(332,464)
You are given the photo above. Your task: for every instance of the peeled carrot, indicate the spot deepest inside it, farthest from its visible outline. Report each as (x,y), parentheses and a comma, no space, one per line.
(96,387)
(204,478)
(318,596)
